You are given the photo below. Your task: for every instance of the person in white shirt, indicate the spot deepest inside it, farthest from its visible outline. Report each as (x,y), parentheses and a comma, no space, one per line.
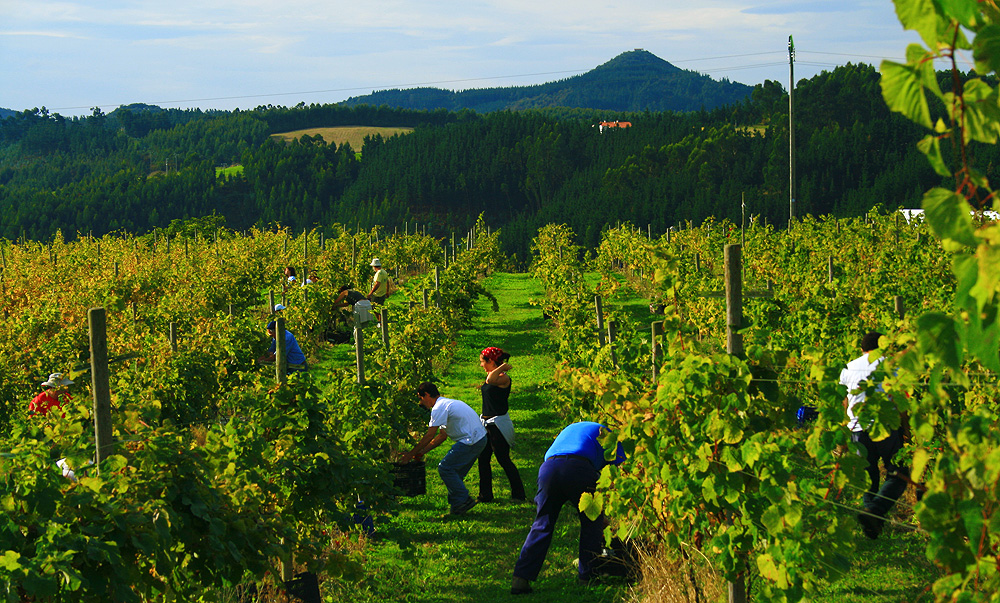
(456,420)
(877,501)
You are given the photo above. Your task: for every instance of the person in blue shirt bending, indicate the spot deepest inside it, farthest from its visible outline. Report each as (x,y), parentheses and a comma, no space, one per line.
(293,353)
(572,465)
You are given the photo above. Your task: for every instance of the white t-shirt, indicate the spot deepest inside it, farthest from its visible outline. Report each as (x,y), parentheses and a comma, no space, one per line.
(458,420)
(857,371)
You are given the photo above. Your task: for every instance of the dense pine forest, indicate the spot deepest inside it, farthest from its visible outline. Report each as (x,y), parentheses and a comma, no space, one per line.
(141,168)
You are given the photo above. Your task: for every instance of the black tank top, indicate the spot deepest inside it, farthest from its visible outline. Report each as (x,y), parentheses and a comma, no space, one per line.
(494,400)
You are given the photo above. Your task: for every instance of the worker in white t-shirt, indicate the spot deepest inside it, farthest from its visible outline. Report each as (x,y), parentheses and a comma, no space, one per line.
(456,420)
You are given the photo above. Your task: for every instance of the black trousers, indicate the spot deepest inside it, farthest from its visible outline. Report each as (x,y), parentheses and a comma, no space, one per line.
(880,500)
(497,444)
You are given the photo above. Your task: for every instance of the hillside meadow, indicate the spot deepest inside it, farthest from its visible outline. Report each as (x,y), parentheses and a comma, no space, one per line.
(353,135)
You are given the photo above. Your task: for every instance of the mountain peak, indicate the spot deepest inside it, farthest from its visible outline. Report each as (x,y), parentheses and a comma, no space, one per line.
(638,59)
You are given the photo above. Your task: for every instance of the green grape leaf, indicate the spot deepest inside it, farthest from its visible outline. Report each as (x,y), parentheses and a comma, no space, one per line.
(948,214)
(986,49)
(965,12)
(9,561)
(591,504)
(939,336)
(930,146)
(770,569)
(982,112)
(920,16)
(920,459)
(903,92)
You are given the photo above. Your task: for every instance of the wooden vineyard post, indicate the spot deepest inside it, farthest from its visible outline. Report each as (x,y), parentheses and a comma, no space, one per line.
(437,286)
(354,252)
(899,306)
(384,326)
(270,301)
(829,269)
(116,270)
(425,299)
(173,337)
(734,346)
(734,300)
(359,350)
(612,333)
(654,345)
(280,352)
(697,262)
(600,320)
(99,383)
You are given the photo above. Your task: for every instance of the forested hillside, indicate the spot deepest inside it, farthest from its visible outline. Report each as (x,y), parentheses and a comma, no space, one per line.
(141,167)
(633,81)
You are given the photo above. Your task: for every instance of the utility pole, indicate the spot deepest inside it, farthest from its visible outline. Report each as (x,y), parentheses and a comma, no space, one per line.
(791,131)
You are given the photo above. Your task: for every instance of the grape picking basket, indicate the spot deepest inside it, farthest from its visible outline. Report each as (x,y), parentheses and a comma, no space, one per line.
(410,478)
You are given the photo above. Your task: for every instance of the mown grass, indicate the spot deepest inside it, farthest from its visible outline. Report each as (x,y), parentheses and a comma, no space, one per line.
(230,171)
(422,555)
(355,135)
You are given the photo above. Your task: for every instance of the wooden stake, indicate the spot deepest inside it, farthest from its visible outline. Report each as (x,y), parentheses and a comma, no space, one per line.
(100,383)
(600,320)
(734,299)
(280,351)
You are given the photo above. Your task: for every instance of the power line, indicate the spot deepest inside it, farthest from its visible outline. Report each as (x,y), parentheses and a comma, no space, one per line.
(327,91)
(476,79)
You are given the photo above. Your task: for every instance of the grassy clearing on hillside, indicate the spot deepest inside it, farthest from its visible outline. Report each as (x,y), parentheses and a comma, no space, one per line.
(355,135)
(233,170)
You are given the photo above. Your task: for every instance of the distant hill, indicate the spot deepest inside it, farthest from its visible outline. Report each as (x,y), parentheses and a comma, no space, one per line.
(633,81)
(5,113)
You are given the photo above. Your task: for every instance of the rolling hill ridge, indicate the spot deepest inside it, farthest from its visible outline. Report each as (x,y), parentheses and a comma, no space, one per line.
(636,80)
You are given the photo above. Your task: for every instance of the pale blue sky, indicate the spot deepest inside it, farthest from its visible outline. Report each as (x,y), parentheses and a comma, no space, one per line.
(74,54)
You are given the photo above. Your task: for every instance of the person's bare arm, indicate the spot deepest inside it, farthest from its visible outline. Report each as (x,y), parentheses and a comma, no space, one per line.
(430,440)
(499,377)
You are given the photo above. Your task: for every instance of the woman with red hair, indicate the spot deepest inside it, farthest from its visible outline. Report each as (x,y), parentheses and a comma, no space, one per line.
(499,429)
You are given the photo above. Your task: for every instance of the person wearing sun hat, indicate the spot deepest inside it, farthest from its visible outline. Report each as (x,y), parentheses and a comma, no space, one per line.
(381,286)
(54,395)
(381,283)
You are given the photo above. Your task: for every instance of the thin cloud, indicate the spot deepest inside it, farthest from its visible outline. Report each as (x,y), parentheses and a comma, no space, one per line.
(43,34)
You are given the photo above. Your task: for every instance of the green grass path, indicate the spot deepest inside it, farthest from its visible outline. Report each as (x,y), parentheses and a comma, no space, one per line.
(424,555)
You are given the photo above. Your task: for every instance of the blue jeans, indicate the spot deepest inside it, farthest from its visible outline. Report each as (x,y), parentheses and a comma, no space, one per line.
(455,466)
(561,480)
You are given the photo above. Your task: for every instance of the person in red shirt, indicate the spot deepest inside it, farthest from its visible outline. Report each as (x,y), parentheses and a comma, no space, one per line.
(53,396)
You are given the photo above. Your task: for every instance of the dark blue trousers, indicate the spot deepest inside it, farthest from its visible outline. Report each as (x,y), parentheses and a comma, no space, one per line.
(561,480)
